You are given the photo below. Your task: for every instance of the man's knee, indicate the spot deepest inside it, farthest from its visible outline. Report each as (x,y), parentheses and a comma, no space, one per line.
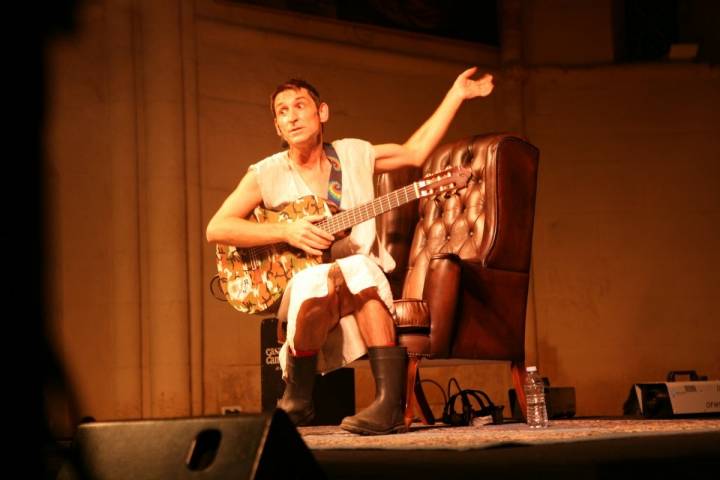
(368,296)
(314,320)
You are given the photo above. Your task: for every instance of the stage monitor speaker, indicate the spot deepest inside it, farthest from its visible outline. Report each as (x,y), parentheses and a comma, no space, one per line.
(243,446)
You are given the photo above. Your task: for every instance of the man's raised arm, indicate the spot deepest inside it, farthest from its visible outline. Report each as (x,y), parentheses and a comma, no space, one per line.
(416,149)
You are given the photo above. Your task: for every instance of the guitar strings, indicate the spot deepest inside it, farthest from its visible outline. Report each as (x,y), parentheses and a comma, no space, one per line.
(343,220)
(348,218)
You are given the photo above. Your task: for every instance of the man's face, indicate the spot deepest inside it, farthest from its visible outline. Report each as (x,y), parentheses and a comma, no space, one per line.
(297,119)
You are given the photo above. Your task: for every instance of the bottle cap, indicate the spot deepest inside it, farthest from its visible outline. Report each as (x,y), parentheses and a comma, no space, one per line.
(531,368)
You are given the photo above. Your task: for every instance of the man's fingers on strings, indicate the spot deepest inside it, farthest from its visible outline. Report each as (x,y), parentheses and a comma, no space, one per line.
(312,219)
(326,236)
(312,251)
(317,240)
(315,244)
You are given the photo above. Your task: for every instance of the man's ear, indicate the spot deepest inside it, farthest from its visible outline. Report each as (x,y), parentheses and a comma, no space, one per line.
(324,112)
(277,129)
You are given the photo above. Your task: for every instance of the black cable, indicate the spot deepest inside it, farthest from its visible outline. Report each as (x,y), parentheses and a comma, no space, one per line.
(445,398)
(215,280)
(457,385)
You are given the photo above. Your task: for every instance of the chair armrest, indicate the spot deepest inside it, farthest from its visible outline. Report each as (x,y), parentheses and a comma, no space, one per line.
(412,325)
(440,293)
(411,315)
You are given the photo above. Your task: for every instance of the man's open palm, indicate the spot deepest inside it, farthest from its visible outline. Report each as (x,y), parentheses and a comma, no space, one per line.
(468,87)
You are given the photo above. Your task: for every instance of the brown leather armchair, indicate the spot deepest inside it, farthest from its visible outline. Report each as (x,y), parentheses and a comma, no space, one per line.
(463,258)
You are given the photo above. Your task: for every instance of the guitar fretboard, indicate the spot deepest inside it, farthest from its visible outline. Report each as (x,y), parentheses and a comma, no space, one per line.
(380,205)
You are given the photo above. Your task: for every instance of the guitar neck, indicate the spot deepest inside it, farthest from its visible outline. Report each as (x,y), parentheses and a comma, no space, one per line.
(348,218)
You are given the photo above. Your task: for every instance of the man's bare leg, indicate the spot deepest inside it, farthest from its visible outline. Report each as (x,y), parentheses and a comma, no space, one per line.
(387,361)
(316,317)
(375,322)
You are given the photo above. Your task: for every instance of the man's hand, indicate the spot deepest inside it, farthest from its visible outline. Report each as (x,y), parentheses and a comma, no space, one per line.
(416,149)
(304,235)
(467,88)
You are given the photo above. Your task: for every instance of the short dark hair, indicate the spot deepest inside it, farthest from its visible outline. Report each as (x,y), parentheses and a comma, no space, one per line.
(294,84)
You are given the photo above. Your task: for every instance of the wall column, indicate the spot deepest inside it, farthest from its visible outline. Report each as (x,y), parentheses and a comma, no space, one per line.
(163,228)
(195,226)
(120,24)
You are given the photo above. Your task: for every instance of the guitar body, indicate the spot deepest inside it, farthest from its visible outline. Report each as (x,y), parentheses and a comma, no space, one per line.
(254,279)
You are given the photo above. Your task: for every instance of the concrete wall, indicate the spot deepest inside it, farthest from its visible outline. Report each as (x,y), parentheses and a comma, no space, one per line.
(626,226)
(123,210)
(567,32)
(157,108)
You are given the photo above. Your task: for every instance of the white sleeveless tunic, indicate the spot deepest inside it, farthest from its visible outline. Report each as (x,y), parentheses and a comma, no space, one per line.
(360,255)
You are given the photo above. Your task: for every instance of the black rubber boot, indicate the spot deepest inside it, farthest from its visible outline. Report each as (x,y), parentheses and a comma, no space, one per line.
(297,400)
(385,414)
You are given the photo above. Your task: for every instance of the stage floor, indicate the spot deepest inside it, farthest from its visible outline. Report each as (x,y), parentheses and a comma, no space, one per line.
(574,448)
(583,448)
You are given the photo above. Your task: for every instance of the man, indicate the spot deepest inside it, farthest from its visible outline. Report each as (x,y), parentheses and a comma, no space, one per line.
(339,311)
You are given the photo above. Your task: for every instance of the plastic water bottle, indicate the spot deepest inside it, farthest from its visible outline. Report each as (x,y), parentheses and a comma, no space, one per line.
(535,397)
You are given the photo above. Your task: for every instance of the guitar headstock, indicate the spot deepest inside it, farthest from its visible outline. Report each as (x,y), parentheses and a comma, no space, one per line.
(448,179)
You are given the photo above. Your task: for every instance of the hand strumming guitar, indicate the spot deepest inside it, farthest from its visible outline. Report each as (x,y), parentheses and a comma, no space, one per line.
(304,235)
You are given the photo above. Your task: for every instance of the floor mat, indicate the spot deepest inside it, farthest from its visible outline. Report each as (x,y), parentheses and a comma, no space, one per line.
(488,436)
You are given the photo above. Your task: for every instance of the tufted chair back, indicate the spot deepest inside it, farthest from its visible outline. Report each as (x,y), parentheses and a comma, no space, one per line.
(463,258)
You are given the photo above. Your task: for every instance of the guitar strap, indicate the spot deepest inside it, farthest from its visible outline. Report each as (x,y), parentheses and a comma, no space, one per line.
(335,183)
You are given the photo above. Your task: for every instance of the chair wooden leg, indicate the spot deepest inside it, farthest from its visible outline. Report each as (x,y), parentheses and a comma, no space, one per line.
(413,363)
(426,414)
(518,377)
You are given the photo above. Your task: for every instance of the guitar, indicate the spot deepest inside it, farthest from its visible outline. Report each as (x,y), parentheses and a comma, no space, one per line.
(253,279)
